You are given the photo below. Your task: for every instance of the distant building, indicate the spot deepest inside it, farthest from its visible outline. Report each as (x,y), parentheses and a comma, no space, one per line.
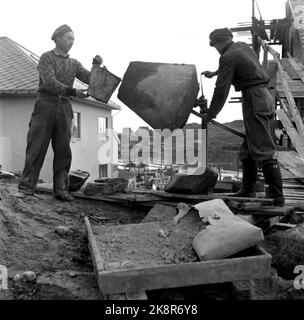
(18,86)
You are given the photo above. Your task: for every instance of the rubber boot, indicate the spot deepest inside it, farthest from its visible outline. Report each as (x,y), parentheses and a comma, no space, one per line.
(249,180)
(273,178)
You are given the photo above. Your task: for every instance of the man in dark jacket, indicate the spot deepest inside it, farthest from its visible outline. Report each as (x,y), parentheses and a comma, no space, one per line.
(53,114)
(239,66)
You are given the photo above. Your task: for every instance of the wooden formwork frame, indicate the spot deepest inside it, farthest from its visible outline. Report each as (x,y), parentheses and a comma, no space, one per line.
(133,283)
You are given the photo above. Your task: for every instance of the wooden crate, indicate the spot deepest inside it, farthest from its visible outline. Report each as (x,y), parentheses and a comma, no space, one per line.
(254,264)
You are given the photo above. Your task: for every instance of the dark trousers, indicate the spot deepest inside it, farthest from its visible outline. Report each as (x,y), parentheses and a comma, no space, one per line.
(51,120)
(258,110)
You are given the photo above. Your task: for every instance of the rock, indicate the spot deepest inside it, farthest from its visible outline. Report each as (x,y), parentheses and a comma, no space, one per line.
(63,230)
(73,274)
(275,288)
(193,184)
(287,250)
(27,276)
(162,94)
(60,211)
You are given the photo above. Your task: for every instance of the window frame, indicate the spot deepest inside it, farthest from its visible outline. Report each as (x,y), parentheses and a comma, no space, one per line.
(102,136)
(77,117)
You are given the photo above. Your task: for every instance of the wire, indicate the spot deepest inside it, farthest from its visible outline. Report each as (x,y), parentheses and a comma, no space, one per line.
(259,10)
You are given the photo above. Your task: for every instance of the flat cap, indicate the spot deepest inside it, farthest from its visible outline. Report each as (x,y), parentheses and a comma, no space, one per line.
(220,35)
(60,31)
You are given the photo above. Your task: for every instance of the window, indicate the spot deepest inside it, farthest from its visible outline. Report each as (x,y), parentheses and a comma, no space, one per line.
(103,171)
(102,128)
(76,125)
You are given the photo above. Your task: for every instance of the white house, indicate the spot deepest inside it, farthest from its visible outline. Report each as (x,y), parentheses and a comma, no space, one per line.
(18,87)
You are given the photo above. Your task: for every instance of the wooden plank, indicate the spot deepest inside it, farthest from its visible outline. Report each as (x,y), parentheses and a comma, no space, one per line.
(268,48)
(293,187)
(98,261)
(194,198)
(295,93)
(292,162)
(284,105)
(187,274)
(284,226)
(289,69)
(123,198)
(269,212)
(296,88)
(265,59)
(245,289)
(272,72)
(298,66)
(291,103)
(294,136)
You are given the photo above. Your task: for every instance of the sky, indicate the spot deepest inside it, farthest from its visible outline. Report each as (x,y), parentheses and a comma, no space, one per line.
(121,31)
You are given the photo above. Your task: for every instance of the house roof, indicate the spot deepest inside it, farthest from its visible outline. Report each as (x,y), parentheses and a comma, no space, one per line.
(19,74)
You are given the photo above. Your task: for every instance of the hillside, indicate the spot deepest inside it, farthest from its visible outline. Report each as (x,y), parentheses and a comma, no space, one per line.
(218,138)
(222,145)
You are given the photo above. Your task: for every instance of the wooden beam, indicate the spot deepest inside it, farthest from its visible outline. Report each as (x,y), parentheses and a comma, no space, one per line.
(290,69)
(291,103)
(249,28)
(98,261)
(268,212)
(294,136)
(186,274)
(273,52)
(200,198)
(265,59)
(298,66)
(284,105)
(291,161)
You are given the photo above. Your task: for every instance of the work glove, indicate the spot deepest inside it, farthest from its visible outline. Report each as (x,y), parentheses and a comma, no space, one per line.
(81,93)
(97,60)
(209,74)
(201,102)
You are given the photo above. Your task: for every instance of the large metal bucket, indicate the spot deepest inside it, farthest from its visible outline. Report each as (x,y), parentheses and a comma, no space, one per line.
(102,84)
(162,94)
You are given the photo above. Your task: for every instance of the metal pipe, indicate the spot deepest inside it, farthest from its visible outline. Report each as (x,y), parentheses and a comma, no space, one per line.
(222,126)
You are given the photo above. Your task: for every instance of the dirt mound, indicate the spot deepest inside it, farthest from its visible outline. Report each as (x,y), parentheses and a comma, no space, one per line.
(287,250)
(28,241)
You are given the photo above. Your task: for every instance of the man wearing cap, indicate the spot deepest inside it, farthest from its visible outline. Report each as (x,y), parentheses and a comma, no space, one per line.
(240,66)
(52,115)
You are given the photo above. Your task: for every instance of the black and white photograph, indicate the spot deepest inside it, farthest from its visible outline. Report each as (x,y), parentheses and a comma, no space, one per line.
(152,153)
